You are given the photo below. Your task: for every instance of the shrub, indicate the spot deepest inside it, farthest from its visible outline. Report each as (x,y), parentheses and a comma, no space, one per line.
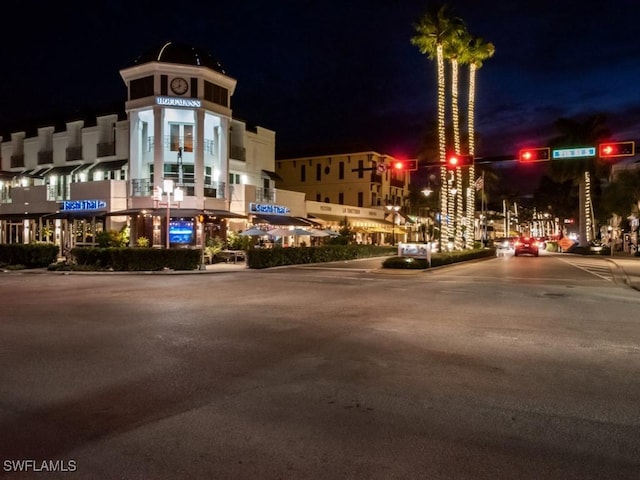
(32,255)
(142,242)
(405,263)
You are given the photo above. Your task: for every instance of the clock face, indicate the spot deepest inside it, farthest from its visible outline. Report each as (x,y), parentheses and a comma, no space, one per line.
(179,86)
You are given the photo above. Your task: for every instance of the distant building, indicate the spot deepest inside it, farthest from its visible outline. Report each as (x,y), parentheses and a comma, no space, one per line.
(360,186)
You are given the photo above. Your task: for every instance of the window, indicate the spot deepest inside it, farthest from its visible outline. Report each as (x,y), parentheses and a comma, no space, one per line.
(140,88)
(234,178)
(341,171)
(360,171)
(216,94)
(318,172)
(318,197)
(180,136)
(303,173)
(360,199)
(341,198)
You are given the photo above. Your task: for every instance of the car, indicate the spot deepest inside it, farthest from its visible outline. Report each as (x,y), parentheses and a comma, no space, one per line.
(527,245)
(504,246)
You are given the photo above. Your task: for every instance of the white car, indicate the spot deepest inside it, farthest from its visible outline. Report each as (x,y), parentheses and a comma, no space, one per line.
(504,246)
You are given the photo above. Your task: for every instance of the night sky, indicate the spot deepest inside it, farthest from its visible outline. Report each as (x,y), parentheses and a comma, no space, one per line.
(337,75)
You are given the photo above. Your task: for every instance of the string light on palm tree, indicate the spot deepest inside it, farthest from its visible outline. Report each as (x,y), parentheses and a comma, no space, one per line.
(477,51)
(432,31)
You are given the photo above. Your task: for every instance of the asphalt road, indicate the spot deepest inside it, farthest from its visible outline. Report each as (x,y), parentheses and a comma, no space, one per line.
(523,368)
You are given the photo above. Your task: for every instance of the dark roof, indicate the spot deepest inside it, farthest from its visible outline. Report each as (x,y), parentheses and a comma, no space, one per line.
(175,52)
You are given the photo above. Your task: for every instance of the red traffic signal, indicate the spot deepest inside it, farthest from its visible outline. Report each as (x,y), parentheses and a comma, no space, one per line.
(617,149)
(455,160)
(405,165)
(534,154)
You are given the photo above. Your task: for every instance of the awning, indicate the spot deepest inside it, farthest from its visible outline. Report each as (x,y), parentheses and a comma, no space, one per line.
(37,173)
(175,212)
(75,214)
(364,221)
(66,170)
(281,220)
(109,166)
(23,216)
(222,214)
(272,175)
(129,212)
(8,175)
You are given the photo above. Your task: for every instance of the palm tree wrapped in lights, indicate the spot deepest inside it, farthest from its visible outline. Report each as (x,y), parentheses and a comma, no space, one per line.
(477,51)
(433,31)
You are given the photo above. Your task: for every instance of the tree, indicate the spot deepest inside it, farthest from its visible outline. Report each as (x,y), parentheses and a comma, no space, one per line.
(433,30)
(477,51)
(622,196)
(576,133)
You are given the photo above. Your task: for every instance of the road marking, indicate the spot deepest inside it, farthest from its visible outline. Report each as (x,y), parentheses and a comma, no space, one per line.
(599,268)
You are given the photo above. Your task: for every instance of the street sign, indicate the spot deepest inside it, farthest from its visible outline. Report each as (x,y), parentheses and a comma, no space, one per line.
(581,152)
(382,167)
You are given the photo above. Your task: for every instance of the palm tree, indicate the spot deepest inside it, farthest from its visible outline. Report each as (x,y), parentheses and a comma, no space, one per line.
(574,133)
(474,55)
(433,30)
(454,49)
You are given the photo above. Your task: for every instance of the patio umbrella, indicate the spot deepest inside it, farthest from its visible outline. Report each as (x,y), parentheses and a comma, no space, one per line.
(322,233)
(253,232)
(280,232)
(300,231)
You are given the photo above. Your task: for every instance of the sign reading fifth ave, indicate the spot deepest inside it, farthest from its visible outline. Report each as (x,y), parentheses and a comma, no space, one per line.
(178,102)
(268,208)
(75,205)
(575,152)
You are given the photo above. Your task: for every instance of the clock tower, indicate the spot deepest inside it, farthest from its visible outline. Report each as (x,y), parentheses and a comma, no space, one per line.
(179,109)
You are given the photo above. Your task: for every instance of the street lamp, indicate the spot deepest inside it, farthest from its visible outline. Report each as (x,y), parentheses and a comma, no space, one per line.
(395,209)
(427,192)
(178,195)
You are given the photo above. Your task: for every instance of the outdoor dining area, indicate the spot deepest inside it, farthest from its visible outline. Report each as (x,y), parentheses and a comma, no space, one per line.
(287,237)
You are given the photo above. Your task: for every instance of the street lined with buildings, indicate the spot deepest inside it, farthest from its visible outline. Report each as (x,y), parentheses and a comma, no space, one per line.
(515,365)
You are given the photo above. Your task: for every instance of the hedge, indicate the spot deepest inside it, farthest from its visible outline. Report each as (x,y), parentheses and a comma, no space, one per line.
(29,255)
(278,256)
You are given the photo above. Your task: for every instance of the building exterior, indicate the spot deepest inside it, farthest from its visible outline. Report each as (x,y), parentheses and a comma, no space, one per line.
(174,168)
(68,183)
(361,189)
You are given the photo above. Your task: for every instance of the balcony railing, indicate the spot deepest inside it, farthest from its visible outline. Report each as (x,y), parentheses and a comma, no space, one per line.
(74,153)
(375,178)
(106,149)
(265,195)
(214,189)
(17,161)
(141,187)
(238,153)
(45,156)
(396,182)
(58,192)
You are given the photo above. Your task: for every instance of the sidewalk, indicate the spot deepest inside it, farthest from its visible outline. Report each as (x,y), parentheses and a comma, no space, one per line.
(626,269)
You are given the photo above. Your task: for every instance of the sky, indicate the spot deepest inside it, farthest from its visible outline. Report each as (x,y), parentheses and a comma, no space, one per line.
(334,76)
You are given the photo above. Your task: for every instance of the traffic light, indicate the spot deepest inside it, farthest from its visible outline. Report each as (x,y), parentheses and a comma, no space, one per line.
(405,165)
(455,160)
(617,149)
(528,155)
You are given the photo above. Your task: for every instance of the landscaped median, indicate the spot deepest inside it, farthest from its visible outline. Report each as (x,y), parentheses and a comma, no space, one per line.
(437,259)
(275,257)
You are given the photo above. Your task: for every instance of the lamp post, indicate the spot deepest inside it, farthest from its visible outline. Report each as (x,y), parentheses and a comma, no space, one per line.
(427,192)
(178,195)
(395,209)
